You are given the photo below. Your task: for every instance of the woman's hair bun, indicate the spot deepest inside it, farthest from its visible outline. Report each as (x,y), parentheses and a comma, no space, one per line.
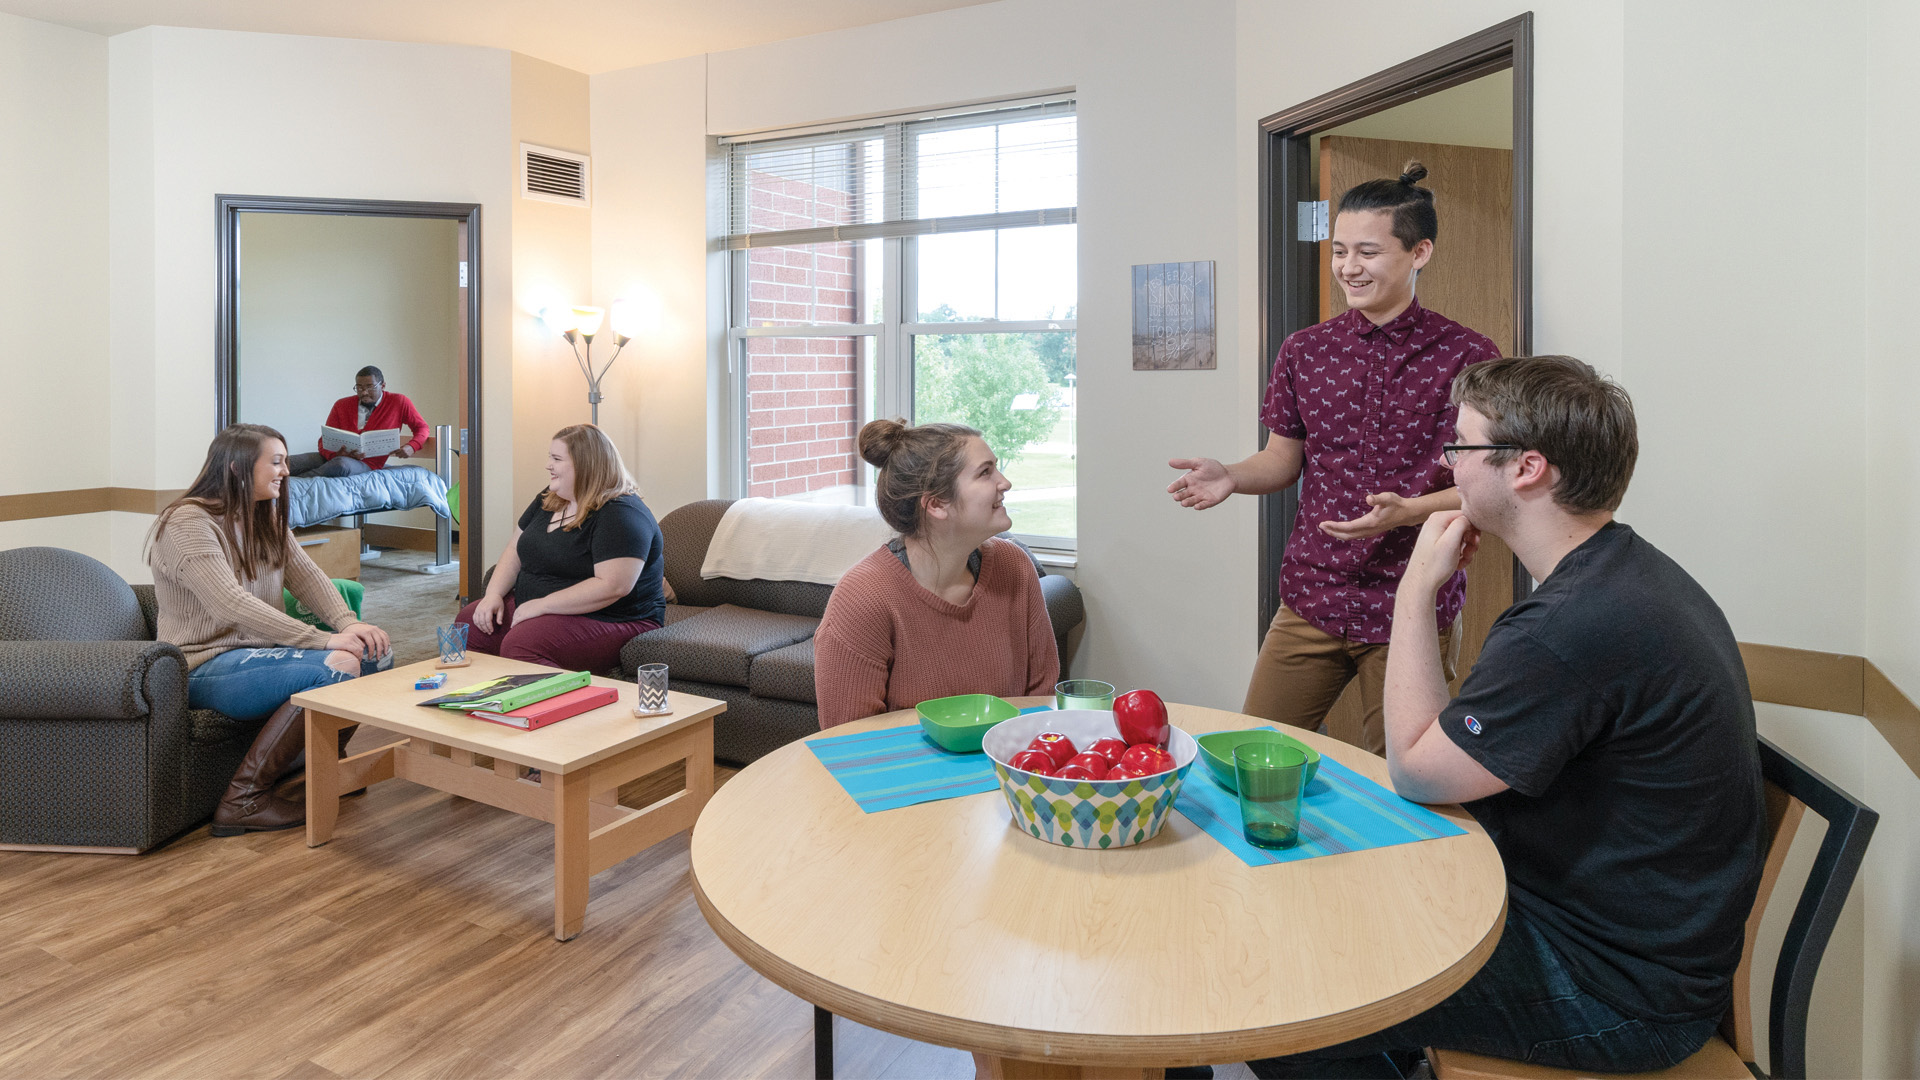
(879,439)
(1413,173)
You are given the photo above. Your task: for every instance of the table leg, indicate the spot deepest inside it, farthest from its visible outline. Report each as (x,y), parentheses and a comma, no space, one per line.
(323,776)
(988,1067)
(570,833)
(822,1044)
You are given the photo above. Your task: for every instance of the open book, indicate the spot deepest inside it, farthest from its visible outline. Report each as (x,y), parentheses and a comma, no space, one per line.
(364,443)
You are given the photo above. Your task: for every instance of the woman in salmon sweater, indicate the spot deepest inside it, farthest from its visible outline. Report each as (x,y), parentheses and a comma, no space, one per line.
(945,608)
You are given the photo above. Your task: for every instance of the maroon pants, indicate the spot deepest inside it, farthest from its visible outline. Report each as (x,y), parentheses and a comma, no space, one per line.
(568,642)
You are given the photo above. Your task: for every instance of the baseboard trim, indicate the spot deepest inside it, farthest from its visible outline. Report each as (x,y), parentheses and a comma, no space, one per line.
(1836,682)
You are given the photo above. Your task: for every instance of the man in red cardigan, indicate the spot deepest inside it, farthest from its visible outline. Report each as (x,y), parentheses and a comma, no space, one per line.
(370,408)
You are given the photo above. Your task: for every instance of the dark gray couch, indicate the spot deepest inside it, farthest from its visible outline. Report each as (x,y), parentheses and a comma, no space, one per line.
(750,643)
(97,746)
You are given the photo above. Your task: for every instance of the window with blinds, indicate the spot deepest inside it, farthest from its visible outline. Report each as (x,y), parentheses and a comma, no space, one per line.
(923,268)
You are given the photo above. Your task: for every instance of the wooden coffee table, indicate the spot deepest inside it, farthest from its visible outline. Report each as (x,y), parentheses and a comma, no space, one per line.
(583,760)
(942,923)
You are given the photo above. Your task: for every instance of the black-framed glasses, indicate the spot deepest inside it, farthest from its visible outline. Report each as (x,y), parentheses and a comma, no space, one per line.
(1452,451)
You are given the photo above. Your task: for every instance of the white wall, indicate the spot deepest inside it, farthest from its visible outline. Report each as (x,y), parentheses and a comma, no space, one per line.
(53,276)
(198,112)
(1892,585)
(323,295)
(649,247)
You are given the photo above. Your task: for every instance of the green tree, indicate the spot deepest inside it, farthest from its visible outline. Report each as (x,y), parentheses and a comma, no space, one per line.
(1057,352)
(973,379)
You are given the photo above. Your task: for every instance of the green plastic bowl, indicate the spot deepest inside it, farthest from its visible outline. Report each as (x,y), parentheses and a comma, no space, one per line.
(1217,751)
(958,723)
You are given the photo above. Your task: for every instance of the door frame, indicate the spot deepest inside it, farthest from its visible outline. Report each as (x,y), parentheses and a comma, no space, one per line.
(1290,268)
(226,341)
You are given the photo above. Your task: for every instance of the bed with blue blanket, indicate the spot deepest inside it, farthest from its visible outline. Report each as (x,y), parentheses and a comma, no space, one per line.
(316,499)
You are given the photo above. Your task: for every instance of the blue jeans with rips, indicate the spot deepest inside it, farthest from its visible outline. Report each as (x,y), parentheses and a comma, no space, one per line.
(1524,1006)
(248,684)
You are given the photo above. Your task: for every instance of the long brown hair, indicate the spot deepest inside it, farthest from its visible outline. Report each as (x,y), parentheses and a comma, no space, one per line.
(599,476)
(914,462)
(254,533)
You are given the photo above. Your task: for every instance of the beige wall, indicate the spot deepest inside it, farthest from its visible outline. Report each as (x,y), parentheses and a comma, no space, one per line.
(552,265)
(53,274)
(320,117)
(323,295)
(1892,220)
(1477,113)
(650,247)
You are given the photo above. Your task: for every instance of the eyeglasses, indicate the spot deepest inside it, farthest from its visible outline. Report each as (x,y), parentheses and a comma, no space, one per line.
(1452,451)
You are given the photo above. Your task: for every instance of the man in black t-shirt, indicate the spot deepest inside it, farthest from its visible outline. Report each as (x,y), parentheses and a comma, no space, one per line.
(1605,739)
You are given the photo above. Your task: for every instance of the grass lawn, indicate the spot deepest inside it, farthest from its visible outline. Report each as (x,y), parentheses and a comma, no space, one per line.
(1045,517)
(1034,469)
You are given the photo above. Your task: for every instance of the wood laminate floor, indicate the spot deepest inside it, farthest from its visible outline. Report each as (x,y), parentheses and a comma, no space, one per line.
(417,944)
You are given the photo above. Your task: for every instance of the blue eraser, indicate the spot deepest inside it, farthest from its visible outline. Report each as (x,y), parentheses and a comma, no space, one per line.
(430,682)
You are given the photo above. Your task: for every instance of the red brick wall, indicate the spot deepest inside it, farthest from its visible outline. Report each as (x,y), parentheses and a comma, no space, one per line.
(800,391)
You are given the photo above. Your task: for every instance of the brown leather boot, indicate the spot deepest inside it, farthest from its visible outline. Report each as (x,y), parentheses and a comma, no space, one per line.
(250,804)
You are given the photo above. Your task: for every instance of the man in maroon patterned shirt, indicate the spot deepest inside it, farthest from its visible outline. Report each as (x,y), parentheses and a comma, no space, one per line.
(1357,408)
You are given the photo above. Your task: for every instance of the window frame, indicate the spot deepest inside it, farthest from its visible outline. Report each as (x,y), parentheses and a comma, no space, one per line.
(892,389)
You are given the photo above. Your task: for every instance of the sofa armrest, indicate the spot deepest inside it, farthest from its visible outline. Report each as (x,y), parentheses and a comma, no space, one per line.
(85,680)
(149,609)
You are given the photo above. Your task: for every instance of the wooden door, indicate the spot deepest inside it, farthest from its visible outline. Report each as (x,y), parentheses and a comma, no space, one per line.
(1469,280)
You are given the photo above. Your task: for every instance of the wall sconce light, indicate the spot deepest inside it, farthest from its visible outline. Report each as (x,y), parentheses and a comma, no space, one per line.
(579,325)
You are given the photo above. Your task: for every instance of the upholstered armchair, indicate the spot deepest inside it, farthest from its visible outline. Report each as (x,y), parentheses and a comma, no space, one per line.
(98,750)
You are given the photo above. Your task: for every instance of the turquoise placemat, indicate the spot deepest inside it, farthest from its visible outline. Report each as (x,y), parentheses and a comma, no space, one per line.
(900,766)
(1340,811)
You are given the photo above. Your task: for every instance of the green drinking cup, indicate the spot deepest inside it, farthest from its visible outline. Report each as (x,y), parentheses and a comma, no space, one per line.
(1270,776)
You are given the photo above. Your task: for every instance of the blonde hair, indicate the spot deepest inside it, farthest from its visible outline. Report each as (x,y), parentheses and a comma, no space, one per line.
(599,476)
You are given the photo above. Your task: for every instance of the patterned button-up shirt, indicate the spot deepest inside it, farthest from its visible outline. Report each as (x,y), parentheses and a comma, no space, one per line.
(1371,404)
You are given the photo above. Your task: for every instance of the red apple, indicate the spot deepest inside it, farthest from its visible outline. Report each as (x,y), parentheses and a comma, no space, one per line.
(1124,771)
(1149,759)
(1111,749)
(1142,718)
(1070,771)
(1033,761)
(1097,764)
(1054,745)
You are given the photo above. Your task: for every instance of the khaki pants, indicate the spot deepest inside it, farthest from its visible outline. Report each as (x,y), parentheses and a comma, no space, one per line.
(1302,670)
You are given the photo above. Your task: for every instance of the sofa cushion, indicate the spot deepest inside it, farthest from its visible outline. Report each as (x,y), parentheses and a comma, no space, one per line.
(786,674)
(677,612)
(719,645)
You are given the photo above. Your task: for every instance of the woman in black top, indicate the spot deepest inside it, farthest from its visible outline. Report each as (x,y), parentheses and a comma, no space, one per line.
(581,575)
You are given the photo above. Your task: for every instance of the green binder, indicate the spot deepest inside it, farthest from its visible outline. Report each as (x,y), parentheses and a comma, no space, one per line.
(510,692)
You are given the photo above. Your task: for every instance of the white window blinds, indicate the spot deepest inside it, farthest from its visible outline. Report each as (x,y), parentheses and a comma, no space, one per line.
(999,169)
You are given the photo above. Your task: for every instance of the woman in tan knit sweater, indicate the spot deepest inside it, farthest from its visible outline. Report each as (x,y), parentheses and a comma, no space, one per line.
(947,607)
(220,555)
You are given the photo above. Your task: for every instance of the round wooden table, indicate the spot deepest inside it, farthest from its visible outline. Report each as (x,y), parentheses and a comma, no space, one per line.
(942,923)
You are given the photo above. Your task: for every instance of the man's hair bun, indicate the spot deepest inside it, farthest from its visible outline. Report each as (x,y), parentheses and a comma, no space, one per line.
(1413,173)
(879,439)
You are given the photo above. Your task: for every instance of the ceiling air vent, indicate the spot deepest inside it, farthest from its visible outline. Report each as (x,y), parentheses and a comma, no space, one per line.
(551,175)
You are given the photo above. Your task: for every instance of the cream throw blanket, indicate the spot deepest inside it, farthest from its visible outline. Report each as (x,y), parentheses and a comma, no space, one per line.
(780,540)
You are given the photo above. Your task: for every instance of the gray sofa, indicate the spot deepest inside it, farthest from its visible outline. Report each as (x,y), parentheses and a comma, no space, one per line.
(750,643)
(98,749)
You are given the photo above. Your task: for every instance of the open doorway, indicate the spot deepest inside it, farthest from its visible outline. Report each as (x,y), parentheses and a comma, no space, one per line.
(340,317)
(1465,111)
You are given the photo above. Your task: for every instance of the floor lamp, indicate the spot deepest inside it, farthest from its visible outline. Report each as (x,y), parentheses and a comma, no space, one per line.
(578,325)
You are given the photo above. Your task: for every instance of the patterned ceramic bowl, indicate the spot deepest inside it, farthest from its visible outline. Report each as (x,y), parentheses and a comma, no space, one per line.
(1084,813)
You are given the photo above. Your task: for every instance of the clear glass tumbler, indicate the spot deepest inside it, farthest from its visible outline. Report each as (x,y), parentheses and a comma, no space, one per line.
(1269,775)
(1082,694)
(653,691)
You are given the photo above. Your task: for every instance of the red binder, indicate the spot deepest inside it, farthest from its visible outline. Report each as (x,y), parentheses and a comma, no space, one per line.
(541,713)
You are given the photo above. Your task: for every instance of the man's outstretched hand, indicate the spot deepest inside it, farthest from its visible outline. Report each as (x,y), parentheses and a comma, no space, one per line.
(1446,545)
(1389,512)
(1205,483)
